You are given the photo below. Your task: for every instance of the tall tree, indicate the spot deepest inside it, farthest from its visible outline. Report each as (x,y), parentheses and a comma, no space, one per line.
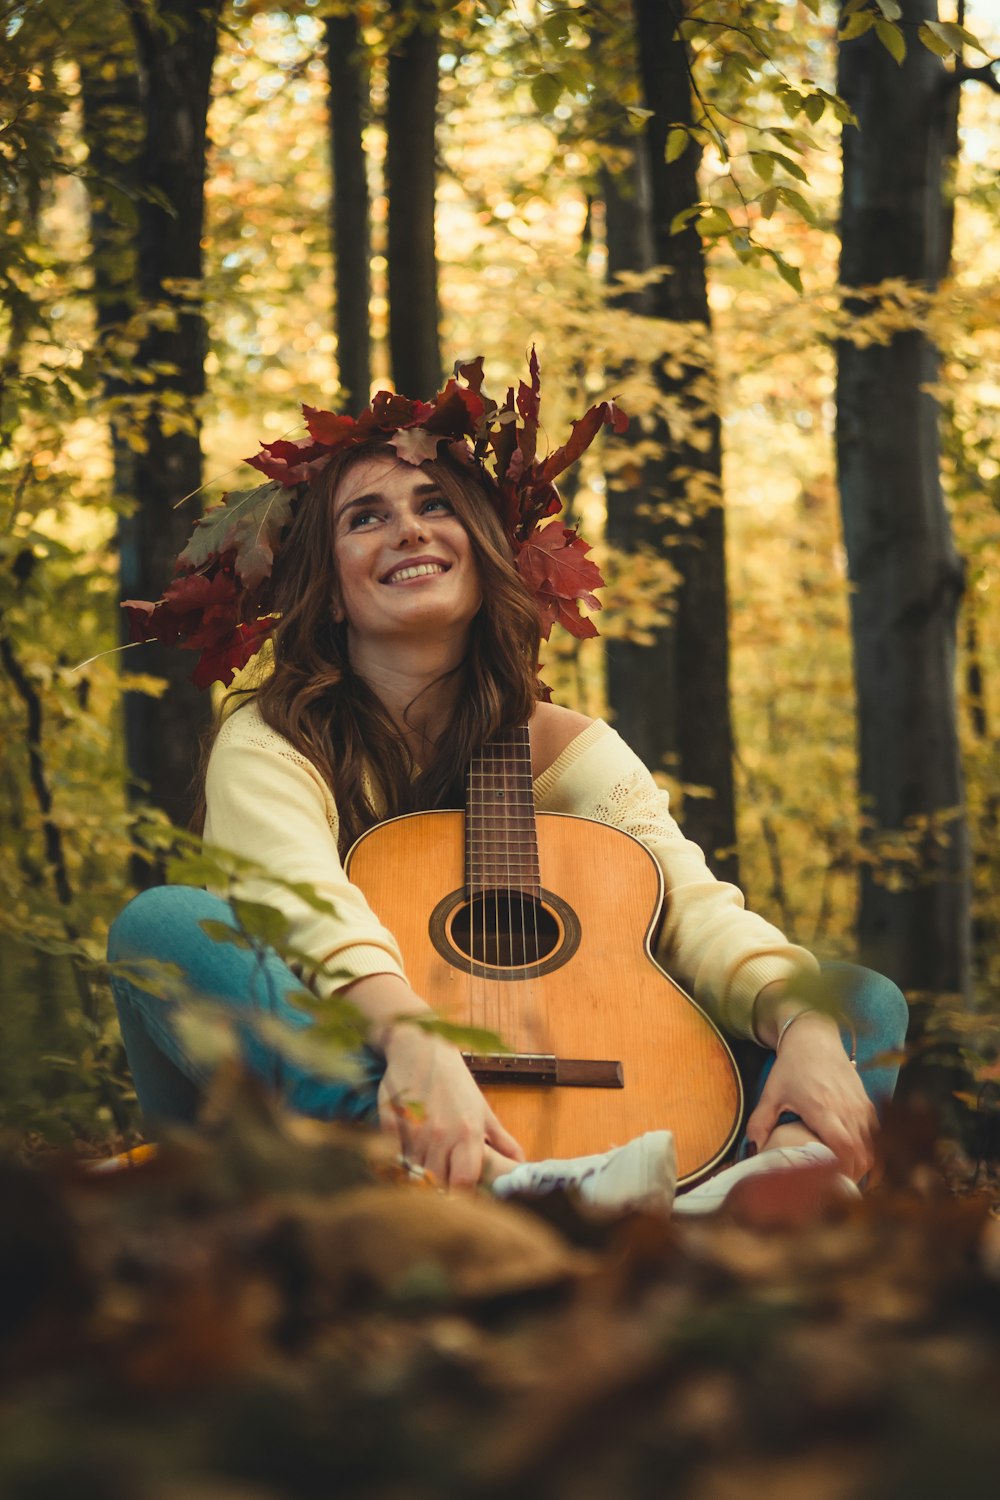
(641,675)
(411,181)
(905,574)
(692,484)
(176,42)
(348,74)
(112,121)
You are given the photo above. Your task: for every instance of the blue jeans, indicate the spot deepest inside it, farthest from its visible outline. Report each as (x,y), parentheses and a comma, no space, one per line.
(161,926)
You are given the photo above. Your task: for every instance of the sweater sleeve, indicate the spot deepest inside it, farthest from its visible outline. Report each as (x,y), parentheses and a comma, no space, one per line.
(268,803)
(709,942)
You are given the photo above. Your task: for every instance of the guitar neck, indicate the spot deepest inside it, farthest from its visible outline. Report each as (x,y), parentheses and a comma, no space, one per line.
(501,839)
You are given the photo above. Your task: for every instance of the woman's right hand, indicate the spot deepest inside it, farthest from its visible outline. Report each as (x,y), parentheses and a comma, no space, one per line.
(429,1101)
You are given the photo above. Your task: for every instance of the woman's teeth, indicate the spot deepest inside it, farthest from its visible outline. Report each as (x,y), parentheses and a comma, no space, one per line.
(418,571)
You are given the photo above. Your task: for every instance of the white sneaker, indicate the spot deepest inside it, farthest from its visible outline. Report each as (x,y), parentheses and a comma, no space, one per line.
(710,1195)
(642,1174)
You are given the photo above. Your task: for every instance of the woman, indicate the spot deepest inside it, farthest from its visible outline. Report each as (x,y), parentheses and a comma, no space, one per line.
(406,638)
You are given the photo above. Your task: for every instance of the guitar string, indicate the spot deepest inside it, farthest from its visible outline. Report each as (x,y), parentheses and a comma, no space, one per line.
(516,881)
(483,888)
(511,836)
(498,852)
(528,1008)
(476,895)
(470,881)
(534,859)
(520,741)
(481,891)
(503,860)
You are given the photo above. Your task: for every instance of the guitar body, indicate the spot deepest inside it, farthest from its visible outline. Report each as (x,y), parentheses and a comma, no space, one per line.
(582,986)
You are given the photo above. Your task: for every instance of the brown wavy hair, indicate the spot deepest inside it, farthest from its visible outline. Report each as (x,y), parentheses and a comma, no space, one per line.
(316,701)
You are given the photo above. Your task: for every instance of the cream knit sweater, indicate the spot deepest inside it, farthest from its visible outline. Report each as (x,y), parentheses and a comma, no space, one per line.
(267,803)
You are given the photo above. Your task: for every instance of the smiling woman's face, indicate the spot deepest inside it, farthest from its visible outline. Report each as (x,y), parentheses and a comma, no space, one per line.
(404,561)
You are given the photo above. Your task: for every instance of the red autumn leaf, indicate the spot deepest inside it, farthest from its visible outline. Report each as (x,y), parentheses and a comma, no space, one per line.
(503,439)
(415,445)
(529,406)
(327,426)
(390,410)
(554,564)
(201,612)
(554,558)
(540,499)
(291,463)
(606,413)
(194,608)
(220,662)
(788,1200)
(249,523)
(471,372)
(145,625)
(456,411)
(460,451)
(564,612)
(509,510)
(193,593)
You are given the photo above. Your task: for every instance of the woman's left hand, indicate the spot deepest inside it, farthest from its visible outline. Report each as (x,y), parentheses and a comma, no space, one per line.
(814,1079)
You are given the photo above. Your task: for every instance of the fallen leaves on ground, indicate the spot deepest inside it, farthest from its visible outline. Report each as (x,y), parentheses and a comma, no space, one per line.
(274,1309)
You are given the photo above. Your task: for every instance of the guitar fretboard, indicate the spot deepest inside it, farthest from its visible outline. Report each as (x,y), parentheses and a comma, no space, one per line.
(501,845)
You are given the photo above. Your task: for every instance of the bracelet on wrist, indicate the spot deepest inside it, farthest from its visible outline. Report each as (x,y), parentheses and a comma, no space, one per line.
(796,1015)
(814,1010)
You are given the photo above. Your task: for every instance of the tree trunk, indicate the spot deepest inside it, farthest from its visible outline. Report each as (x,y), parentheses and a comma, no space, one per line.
(176,45)
(411,178)
(641,678)
(112,127)
(701,703)
(348,75)
(905,575)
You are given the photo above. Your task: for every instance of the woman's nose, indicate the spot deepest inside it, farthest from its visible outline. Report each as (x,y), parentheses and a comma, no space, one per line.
(411,528)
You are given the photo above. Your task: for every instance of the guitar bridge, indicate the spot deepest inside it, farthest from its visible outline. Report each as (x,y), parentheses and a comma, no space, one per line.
(544,1069)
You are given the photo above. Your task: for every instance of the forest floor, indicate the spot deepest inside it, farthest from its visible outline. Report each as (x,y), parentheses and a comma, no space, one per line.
(271,1312)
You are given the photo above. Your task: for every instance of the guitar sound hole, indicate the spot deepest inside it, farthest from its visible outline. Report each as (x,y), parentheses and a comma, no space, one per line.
(504,929)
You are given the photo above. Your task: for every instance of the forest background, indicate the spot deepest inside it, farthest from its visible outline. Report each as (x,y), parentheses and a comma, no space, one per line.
(800,532)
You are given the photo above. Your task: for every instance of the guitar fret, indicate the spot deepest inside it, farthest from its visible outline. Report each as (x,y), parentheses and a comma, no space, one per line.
(503,867)
(517,779)
(500,856)
(503,846)
(497,860)
(486,884)
(496,835)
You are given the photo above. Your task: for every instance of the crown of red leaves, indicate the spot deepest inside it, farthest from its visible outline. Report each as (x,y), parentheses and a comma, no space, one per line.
(219,601)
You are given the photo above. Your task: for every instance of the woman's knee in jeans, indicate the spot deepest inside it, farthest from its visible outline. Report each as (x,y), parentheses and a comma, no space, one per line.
(872,1003)
(140,927)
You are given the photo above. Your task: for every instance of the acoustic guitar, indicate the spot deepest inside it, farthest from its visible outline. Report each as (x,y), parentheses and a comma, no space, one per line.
(539,929)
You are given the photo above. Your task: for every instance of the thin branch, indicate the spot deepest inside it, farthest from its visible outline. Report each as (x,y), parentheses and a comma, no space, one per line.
(29,696)
(54,852)
(983,74)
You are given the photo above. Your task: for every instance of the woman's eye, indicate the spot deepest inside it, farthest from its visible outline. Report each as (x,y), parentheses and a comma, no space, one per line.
(437,504)
(360,517)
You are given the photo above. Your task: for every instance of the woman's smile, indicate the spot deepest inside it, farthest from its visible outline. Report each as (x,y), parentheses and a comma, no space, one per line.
(418,568)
